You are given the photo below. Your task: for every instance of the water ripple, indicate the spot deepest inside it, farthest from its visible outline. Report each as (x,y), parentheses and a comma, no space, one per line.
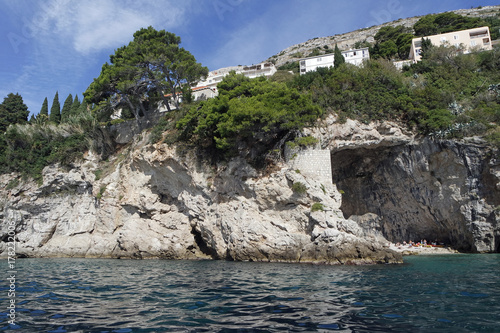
(454,293)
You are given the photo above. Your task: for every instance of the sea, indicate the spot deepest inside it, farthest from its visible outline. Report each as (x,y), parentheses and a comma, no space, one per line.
(449,293)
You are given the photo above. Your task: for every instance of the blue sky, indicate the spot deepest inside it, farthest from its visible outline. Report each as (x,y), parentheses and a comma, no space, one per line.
(61,45)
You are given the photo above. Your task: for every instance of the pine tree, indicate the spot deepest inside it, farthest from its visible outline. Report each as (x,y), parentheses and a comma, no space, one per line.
(66,109)
(75,106)
(338,58)
(55,110)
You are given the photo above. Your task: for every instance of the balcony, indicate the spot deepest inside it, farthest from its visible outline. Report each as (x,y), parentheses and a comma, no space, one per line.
(479,34)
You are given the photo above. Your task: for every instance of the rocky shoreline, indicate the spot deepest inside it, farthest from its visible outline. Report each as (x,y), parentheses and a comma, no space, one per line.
(148,201)
(408,250)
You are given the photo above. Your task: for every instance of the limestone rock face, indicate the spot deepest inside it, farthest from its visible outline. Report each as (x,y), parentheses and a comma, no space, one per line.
(149,202)
(152,203)
(414,189)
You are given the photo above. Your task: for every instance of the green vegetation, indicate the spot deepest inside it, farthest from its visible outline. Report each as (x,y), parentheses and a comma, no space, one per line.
(55,110)
(98,174)
(303,141)
(135,81)
(317,206)
(12,111)
(250,112)
(141,73)
(44,112)
(299,188)
(27,149)
(12,184)
(101,192)
(446,95)
(445,22)
(66,109)
(290,66)
(338,58)
(392,42)
(395,42)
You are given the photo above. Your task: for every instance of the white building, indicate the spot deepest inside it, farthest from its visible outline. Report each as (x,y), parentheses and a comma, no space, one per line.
(208,88)
(355,57)
(214,77)
(466,40)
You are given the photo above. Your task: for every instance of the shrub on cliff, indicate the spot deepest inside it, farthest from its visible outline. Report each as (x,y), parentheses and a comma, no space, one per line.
(12,111)
(27,149)
(249,112)
(443,90)
(375,91)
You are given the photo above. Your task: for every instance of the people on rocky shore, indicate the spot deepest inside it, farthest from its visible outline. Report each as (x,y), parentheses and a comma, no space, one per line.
(422,243)
(421,247)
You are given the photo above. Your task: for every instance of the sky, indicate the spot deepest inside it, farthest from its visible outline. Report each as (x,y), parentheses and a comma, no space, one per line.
(61,45)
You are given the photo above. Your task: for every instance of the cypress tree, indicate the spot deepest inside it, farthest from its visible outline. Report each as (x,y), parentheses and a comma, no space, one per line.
(45,108)
(75,106)
(338,58)
(83,107)
(66,109)
(55,110)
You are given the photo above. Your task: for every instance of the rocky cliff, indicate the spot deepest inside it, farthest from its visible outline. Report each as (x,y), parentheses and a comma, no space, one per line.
(417,188)
(152,201)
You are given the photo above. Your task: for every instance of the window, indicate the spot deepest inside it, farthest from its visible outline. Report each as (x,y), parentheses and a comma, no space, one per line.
(455,37)
(354,53)
(319,59)
(472,43)
(303,63)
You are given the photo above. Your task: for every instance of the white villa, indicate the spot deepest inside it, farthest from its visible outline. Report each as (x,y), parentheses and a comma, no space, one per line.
(208,88)
(467,40)
(355,57)
(214,77)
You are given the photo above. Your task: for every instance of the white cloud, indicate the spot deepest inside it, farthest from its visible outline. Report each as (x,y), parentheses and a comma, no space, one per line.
(95,25)
(66,42)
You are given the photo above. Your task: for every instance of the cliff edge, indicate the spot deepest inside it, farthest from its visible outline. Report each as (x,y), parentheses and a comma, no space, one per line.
(153,201)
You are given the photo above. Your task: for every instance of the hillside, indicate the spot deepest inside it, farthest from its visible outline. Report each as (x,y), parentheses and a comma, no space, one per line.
(348,40)
(326,167)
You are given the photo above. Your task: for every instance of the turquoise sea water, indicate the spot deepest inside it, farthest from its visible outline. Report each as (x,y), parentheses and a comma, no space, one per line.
(454,293)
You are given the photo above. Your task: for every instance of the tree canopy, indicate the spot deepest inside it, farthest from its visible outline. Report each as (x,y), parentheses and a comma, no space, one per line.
(12,111)
(248,111)
(66,109)
(44,111)
(445,22)
(55,110)
(338,58)
(392,41)
(141,73)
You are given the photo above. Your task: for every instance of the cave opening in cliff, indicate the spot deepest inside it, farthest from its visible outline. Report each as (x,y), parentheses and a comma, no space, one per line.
(394,184)
(202,245)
